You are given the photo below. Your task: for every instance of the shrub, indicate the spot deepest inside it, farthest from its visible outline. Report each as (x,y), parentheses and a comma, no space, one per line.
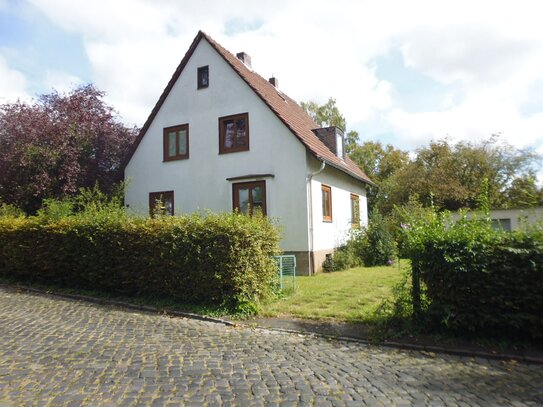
(8,210)
(371,246)
(476,279)
(375,244)
(209,259)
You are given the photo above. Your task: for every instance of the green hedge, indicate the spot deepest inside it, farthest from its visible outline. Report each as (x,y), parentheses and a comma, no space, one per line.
(475,279)
(494,288)
(212,259)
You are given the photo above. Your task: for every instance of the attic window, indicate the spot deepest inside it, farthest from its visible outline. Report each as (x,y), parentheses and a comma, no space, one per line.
(234,133)
(203,77)
(339,145)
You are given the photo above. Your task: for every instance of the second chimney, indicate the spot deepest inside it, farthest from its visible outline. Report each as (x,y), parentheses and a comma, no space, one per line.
(245,58)
(273,80)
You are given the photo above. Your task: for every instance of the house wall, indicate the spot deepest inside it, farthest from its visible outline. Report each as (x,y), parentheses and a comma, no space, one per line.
(329,235)
(200,182)
(515,218)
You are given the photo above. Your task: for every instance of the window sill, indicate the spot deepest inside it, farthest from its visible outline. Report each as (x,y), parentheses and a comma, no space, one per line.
(165,160)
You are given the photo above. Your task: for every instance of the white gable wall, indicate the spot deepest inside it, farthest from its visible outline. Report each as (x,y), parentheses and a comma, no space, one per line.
(199,182)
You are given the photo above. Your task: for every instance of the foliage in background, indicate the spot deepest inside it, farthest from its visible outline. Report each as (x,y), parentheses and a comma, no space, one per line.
(442,174)
(448,176)
(325,115)
(90,243)
(58,144)
(471,278)
(379,163)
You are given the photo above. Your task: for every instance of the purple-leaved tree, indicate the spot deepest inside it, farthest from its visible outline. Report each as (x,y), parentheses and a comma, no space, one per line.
(59,143)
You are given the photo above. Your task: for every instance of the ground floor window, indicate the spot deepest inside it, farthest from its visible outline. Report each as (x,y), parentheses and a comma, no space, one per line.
(355,211)
(249,197)
(161,203)
(326,203)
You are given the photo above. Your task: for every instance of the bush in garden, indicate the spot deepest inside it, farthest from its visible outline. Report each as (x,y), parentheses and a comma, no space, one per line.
(8,210)
(218,259)
(375,244)
(474,279)
(371,246)
(344,257)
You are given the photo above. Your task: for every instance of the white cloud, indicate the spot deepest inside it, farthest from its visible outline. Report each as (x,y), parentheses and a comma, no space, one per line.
(61,81)
(12,83)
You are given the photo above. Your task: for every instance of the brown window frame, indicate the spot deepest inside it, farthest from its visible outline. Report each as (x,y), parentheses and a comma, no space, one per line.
(249,185)
(166,142)
(355,207)
(155,196)
(325,189)
(222,133)
(200,77)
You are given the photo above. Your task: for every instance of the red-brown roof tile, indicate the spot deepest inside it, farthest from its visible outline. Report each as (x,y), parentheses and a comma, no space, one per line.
(286,109)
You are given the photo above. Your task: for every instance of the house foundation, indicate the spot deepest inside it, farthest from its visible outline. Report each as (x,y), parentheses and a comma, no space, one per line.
(310,263)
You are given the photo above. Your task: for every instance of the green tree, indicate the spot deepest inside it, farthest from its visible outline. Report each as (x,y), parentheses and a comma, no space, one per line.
(379,163)
(449,175)
(524,192)
(325,115)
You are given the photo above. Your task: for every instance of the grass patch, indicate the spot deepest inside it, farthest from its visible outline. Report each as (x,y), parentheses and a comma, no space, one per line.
(351,295)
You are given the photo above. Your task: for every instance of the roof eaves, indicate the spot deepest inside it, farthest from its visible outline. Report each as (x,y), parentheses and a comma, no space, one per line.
(347,171)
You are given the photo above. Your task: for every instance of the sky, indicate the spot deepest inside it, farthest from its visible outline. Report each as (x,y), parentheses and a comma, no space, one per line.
(402,72)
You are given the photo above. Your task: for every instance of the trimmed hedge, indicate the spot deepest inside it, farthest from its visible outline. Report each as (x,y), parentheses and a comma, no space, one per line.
(218,259)
(498,289)
(476,279)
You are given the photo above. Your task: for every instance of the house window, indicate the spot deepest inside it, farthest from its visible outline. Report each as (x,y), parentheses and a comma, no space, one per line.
(249,197)
(203,77)
(326,203)
(339,145)
(355,211)
(502,224)
(161,203)
(176,142)
(234,133)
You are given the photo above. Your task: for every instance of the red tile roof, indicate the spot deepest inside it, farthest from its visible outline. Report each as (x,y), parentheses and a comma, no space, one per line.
(286,109)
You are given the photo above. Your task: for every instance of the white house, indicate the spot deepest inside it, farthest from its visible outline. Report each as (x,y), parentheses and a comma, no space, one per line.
(222,138)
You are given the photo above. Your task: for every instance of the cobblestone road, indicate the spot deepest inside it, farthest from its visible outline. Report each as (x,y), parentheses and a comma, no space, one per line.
(56,352)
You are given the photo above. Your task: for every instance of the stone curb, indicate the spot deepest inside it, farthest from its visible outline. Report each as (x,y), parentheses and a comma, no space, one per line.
(415,347)
(389,344)
(121,304)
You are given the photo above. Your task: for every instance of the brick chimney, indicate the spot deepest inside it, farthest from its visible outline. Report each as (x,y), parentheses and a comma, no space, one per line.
(332,137)
(245,58)
(273,80)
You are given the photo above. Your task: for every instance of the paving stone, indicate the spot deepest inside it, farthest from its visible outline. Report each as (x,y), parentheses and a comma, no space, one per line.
(57,352)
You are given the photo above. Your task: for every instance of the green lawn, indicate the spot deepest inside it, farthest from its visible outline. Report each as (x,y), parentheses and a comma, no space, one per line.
(350,295)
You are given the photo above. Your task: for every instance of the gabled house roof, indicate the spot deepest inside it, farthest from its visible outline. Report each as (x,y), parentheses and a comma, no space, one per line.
(285,108)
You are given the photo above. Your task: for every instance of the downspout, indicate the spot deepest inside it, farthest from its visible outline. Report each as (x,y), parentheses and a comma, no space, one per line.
(310,211)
